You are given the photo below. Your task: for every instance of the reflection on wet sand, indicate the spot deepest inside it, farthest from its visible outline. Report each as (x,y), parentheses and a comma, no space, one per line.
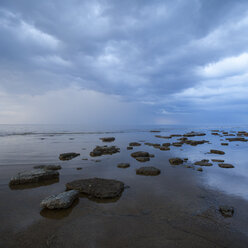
(58,213)
(33,185)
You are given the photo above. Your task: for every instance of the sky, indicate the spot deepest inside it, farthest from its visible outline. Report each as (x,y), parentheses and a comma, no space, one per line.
(124,62)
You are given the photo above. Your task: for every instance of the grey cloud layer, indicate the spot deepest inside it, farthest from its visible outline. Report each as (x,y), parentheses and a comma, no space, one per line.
(151,52)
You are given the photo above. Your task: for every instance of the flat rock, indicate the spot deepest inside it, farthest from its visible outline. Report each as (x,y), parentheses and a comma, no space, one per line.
(164,148)
(224,144)
(97,187)
(104,150)
(195,142)
(142,159)
(218,160)
(217,152)
(237,139)
(60,201)
(203,162)
(148,171)
(129,148)
(33,176)
(107,139)
(68,155)
(175,161)
(48,167)
(134,144)
(226,211)
(140,154)
(227,166)
(123,165)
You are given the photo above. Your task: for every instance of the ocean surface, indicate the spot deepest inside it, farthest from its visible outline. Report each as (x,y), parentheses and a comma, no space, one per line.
(176,188)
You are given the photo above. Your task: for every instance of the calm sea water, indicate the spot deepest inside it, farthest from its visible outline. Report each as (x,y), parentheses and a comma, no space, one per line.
(172,209)
(23,145)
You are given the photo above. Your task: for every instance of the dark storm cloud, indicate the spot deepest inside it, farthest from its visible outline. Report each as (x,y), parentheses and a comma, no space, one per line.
(152,52)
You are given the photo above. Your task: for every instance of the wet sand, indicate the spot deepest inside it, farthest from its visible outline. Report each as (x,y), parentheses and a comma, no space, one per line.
(178,208)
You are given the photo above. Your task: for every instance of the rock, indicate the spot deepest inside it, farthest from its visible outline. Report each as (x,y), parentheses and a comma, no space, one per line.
(227,166)
(195,142)
(217,152)
(79,168)
(200,169)
(97,187)
(164,148)
(104,150)
(192,134)
(134,144)
(166,144)
(237,139)
(175,135)
(148,171)
(151,155)
(129,148)
(123,165)
(226,211)
(60,201)
(203,162)
(48,167)
(175,161)
(84,158)
(107,139)
(33,176)
(140,154)
(178,144)
(68,156)
(215,134)
(218,160)
(215,131)
(155,131)
(142,159)
(224,144)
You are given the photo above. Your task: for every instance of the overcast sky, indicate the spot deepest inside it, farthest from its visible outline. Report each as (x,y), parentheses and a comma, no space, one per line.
(124,62)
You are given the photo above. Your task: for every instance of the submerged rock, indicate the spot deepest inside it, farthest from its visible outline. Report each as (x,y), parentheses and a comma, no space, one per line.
(48,167)
(226,211)
(107,139)
(104,150)
(217,152)
(164,148)
(68,156)
(200,169)
(203,162)
(134,144)
(155,131)
(33,176)
(97,187)
(175,161)
(123,165)
(178,144)
(148,171)
(227,166)
(60,201)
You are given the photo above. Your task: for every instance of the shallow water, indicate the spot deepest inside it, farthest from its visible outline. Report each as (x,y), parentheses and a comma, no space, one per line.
(178,208)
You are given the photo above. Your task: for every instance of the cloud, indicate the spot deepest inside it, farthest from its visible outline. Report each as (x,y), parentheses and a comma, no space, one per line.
(178,56)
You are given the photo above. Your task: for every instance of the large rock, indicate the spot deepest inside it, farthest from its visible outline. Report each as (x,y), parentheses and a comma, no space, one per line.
(148,171)
(48,167)
(97,187)
(104,150)
(227,166)
(123,165)
(140,154)
(68,155)
(175,161)
(226,211)
(33,176)
(217,152)
(203,162)
(107,139)
(60,201)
